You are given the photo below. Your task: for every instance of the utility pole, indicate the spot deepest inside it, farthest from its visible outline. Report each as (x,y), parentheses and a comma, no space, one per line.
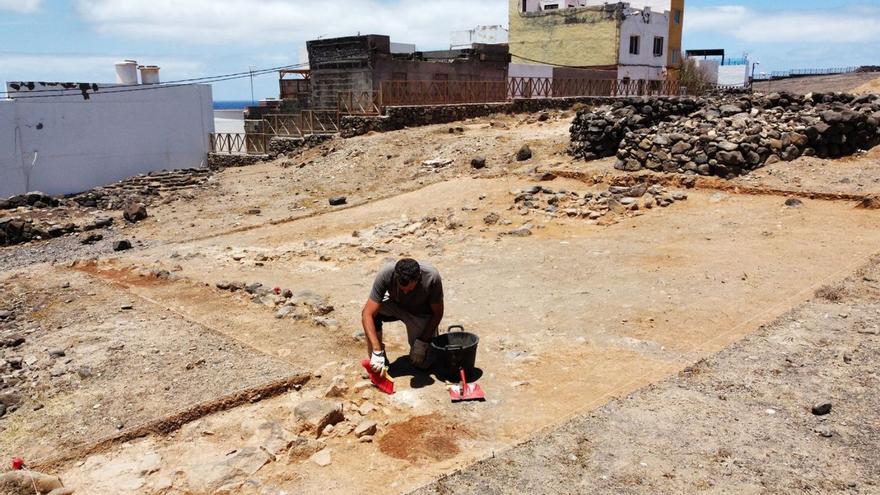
(251,70)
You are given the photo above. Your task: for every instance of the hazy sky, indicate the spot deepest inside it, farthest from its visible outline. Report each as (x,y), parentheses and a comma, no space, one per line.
(78,40)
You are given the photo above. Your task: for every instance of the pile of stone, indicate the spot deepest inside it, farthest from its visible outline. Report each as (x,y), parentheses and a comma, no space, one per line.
(145,188)
(730,135)
(597,133)
(616,201)
(31,199)
(17,230)
(288,304)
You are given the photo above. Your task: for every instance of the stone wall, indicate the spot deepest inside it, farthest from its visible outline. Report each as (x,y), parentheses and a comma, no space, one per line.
(285,145)
(396,118)
(217,161)
(729,135)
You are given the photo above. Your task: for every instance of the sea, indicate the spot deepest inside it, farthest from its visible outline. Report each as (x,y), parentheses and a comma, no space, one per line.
(232,104)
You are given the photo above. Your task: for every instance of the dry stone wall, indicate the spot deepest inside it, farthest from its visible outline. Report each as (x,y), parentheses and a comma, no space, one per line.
(728,135)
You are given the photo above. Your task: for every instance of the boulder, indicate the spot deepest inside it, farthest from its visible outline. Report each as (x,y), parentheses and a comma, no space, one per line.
(524,153)
(134,212)
(318,414)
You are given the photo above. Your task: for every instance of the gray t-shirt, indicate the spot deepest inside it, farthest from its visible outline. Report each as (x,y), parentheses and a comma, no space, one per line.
(418,302)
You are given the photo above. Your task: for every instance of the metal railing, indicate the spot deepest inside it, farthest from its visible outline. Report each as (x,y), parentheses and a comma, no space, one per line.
(232,143)
(785,74)
(404,93)
(302,124)
(545,87)
(359,103)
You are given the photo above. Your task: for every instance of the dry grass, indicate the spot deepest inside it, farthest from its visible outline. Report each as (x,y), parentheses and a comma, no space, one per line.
(832,292)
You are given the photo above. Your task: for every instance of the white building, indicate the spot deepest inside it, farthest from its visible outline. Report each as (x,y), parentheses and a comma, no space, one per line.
(488,35)
(644,45)
(62,138)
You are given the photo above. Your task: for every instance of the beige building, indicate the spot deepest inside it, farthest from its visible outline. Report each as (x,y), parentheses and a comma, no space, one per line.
(636,40)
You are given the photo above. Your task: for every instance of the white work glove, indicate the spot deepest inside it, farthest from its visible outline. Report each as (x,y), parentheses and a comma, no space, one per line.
(377,361)
(418,352)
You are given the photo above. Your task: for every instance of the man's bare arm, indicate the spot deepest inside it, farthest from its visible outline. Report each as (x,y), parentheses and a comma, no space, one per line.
(371,308)
(434,322)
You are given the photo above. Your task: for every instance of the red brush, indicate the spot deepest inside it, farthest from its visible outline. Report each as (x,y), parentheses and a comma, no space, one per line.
(381,380)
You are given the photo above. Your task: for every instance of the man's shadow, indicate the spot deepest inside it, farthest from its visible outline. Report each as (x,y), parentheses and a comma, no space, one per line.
(402,366)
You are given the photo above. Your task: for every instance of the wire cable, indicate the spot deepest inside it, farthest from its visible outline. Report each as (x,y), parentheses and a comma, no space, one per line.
(54,92)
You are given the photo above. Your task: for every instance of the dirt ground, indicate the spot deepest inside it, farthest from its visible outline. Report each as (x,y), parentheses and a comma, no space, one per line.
(571,314)
(741,421)
(858,82)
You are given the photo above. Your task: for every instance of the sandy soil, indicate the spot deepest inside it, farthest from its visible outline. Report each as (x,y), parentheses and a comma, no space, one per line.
(570,317)
(741,421)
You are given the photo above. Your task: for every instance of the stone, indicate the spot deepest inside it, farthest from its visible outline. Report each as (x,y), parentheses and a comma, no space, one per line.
(84,372)
(491,219)
(338,200)
(56,352)
(337,388)
(681,147)
(524,153)
(285,311)
(91,239)
(821,409)
(4,314)
(545,176)
(321,458)
(523,231)
(134,212)
(679,196)
(478,162)
(366,439)
(22,482)
(123,245)
(317,414)
(366,427)
(315,302)
(793,202)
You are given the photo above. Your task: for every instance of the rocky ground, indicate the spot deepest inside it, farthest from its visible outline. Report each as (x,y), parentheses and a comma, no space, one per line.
(165,368)
(838,82)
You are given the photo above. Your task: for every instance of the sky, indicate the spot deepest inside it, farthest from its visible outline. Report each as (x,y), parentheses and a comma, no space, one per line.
(79,40)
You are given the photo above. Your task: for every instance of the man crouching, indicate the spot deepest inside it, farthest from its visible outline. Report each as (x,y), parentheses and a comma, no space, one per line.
(411,292)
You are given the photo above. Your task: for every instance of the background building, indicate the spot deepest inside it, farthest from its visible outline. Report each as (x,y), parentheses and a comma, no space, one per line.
(62,138)
(598,38)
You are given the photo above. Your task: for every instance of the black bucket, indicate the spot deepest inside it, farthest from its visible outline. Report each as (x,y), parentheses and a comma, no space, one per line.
(455,350)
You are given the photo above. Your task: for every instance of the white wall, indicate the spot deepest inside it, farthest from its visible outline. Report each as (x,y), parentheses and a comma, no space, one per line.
(733,75)
(645,65)
(490,35)
(76,144)
(708,67)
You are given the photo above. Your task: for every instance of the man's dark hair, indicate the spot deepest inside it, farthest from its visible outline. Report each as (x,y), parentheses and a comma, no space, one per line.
(407,271)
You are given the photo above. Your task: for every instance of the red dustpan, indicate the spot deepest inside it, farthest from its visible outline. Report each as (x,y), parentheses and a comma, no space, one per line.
(381,380)
(465,391)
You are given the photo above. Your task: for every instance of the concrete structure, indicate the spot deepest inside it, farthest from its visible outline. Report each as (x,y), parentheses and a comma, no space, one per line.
(486,35)
(632,43)
(361,63)
(86,135)
(720,69)
(644,45)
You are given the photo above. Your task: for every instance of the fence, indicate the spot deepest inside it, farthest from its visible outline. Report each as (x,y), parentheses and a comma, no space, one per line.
(545,87)
(231,143)
(301,124)
(784,74)
(359,103)
(404,93)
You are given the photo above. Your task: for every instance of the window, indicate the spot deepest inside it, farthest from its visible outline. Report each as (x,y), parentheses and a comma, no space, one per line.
(674,56)
(658,46)
(525,5)
(551,6)
(634,45)
(677,15)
